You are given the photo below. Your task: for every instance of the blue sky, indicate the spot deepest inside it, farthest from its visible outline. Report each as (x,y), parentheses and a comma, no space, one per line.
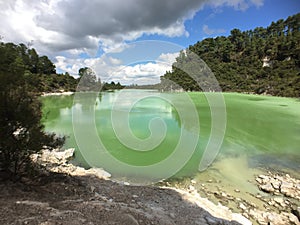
(112,36)
(227,18)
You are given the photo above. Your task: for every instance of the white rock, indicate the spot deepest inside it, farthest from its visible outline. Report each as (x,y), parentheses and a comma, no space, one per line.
(99,172)
(264,177)
(267,188)
(242,206)
(241,219)
(280,201)
(191,188)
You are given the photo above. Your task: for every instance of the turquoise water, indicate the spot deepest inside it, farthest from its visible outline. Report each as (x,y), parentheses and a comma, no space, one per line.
(143,128)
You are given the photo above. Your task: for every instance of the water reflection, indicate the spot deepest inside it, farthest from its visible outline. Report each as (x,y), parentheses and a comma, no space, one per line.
(261,130)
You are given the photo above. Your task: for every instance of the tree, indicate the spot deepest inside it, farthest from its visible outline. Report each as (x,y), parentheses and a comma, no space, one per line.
(21,129)
(237,61)
(33,60)
(45,66)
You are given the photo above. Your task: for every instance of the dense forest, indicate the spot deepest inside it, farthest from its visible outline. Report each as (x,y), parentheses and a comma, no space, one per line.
(38,71)
(261,61)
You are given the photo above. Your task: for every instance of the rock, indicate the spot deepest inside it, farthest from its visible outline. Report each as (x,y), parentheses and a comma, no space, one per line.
(237,190)
(193,182)
(276,219)
(271,202)
(191,188)
(242,206)
(258,196)
(211,220)
(280,201)
(242,219)
(259,180)
(287,188)
(276,184)
(296,212)
(286,185)
(98,172)
(33,203)
(273,218)
(267,188)
(65,155)
(291,218)
(264,177)
(224,195)
(92,188)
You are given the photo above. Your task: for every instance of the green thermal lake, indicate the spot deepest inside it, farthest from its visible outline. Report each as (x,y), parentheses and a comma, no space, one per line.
(137,128)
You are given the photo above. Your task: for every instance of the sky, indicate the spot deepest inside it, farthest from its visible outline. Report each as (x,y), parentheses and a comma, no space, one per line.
(129,41)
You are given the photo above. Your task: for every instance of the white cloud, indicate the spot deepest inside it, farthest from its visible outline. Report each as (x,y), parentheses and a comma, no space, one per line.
(112,69)
(56,26)
(64,29)
(237,4)
(168,58)
(68,25)
(210,31)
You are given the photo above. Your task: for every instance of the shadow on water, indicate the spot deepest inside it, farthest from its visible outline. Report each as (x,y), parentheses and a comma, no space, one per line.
(256,99)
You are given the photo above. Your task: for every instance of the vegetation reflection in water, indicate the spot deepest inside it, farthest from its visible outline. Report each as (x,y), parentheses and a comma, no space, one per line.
(261,131)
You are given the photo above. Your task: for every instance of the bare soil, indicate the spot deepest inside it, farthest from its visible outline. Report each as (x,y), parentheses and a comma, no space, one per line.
(62,199)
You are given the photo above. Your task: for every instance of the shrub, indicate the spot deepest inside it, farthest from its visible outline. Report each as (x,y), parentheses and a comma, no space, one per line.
(21,130)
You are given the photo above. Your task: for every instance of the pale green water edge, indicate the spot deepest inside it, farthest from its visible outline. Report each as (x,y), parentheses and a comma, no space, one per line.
(262,132)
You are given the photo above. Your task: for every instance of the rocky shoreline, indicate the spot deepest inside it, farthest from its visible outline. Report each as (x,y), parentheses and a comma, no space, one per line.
(273,206)
(68,194)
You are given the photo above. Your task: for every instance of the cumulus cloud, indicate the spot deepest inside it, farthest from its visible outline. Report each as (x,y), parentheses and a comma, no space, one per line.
(61,25)
(210,31)
(64,29)
(168,58)
(64,25)
(113,69)
(148,73)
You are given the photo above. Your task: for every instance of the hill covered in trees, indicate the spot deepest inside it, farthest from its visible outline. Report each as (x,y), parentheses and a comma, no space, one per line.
(38,71)
(262,61)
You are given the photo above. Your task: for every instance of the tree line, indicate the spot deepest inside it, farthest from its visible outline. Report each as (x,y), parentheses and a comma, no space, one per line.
(261,61)
(38,71)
